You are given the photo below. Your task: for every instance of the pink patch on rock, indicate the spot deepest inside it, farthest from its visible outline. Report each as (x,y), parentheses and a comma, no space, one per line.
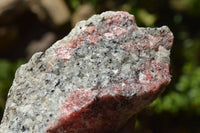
(118,31)
(64,53)
(78,98)
(90,29)
(109,35)
(82,118)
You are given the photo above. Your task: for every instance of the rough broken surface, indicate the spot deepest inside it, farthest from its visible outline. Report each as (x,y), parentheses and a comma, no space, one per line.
(93,80)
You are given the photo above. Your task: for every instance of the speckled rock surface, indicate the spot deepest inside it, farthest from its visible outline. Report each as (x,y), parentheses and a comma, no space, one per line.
(93,80)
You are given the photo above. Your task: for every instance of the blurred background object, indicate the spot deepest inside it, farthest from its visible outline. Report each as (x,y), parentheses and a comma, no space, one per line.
(82,13)
(28,26)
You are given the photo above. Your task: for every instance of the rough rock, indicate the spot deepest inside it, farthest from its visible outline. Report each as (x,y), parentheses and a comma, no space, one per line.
(93,80)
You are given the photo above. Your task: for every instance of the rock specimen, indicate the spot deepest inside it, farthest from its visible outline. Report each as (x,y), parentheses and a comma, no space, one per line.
(92,81)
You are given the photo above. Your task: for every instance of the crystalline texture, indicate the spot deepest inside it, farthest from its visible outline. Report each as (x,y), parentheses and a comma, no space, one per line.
(93,80)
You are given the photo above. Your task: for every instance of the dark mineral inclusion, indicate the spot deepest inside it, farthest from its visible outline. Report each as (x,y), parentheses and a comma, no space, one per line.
(93,80)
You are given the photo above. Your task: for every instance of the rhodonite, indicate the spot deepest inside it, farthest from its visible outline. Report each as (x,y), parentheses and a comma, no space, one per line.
(93,80)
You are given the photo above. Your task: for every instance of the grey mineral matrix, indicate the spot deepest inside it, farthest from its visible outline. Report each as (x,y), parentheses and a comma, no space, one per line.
(93,80)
